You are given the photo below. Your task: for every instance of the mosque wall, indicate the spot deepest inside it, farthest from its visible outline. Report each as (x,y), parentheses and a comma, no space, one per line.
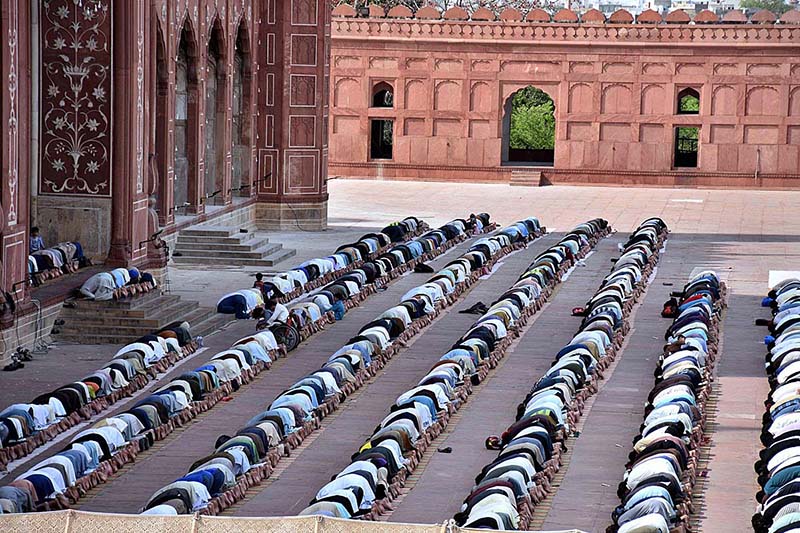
(615,84)
(129,118)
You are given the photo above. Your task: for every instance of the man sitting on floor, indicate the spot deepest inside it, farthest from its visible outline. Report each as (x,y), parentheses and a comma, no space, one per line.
(37,243)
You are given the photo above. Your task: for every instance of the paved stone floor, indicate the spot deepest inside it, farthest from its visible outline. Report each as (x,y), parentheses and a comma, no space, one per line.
(742,234)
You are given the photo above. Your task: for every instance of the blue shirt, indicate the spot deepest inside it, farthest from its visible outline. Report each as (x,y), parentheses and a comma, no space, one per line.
(37,243)
(338,310)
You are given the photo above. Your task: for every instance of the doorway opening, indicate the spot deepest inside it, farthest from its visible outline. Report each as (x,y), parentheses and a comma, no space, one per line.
(529,128)
(381,139)
(686,147)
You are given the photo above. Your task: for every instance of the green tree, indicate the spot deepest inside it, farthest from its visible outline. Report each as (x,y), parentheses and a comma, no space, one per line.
(533,124)
(533,127)
(530,96)
(689,104)
(779,7)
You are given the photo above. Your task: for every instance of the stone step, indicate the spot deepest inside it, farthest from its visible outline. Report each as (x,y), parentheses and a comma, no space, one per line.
(187,248)
(118,327)
(208,322)
(253,253)
(135,302)
(138,306)
(265,261)
(525,179)
(152,320)
(227,256)
(280,255)
(235,240)
(210,231)
(92,333)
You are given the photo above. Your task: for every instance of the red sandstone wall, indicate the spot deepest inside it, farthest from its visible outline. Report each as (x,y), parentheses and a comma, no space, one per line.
(615,88)
(126,161)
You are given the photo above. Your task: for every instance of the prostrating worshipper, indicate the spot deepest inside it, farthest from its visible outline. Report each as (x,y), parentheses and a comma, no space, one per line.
(244,304)
(778,467)
(656,490)
(118,283)
(338,308)
(284,423)
(507,488)
(100,287)
(380,466)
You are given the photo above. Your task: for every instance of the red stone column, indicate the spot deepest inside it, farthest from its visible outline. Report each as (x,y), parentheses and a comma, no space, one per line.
(129,225)
(293,114)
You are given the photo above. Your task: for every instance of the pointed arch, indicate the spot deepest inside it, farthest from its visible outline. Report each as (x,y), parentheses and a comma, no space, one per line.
(242,126)
(162,195)
(186,179)
(215,124)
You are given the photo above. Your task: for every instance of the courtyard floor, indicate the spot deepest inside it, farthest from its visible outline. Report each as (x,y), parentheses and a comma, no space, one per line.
(742,234)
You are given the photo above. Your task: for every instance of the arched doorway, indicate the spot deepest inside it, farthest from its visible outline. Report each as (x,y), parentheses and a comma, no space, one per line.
(183,162)
(529,128)
(214,159)
(240,167)
(160,195)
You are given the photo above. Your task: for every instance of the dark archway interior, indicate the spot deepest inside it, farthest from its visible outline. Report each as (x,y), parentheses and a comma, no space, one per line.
(381,139)
(185,98)
(382,95)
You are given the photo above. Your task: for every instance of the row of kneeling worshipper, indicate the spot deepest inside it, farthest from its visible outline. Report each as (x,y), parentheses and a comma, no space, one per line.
(26,426)
(118,283)
(778,466)
(95,453)
(507,488)
(657,487)
(349,287)
(316,272)
(218,480)
(381,465)
(52,262)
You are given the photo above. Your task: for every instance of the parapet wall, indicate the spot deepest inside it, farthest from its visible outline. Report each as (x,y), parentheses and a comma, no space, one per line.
(592,16)
(675,29)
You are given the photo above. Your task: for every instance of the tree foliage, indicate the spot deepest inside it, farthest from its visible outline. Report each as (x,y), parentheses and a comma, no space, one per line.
(779,7)
(533,122)
(689,104)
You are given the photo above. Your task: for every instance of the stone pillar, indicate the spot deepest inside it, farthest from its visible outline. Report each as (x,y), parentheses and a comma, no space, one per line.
(131,134)
(294,49)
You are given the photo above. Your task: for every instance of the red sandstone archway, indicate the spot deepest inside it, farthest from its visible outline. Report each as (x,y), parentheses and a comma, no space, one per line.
(161,149)
(528,134)
(216,93)
(382,95)
(242,117)
(185,165)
